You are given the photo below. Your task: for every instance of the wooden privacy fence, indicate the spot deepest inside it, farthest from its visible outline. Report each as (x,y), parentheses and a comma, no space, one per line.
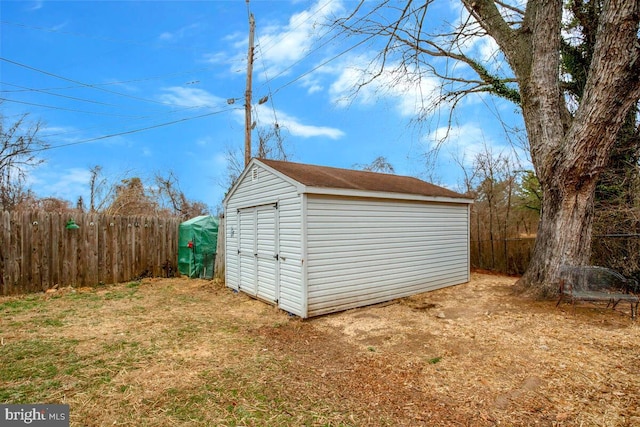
(37,251)
(620,252)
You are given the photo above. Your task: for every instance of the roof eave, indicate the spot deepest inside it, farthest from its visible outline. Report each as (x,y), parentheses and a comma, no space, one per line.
(345,192)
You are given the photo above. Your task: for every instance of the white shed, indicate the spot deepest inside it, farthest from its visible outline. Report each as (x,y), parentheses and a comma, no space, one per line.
(316,240)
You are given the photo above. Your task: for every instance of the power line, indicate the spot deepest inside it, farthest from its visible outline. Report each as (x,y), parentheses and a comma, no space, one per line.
(267,80)
(197,70)
(54,107)
(130,131)
(132,119)
(305,56)
(322,64)
(58,94)
(92,86)
(83,111)
(284,34)
(309,53)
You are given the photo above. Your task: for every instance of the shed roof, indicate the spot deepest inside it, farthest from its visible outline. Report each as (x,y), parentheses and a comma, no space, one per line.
(328,177)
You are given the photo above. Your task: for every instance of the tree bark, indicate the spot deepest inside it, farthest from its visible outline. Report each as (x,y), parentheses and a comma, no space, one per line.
(564,237)
(568,150)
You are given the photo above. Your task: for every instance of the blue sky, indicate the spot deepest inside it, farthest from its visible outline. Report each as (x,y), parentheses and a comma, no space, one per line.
(144,87)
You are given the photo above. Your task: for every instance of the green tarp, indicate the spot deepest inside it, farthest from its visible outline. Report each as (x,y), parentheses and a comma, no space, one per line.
(197,240)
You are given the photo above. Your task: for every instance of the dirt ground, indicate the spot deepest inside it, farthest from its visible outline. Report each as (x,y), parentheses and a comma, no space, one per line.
(476,354)
(469,355)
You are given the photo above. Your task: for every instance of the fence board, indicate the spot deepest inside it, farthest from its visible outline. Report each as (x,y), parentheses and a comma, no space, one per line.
(37,252)
(506,256)
(619,252)
(219,263)
(5,243)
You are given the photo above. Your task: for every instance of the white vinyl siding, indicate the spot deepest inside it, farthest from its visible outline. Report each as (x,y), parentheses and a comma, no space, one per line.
(247,244)
(256,193)
(266,252)
(364,251)
(338,249)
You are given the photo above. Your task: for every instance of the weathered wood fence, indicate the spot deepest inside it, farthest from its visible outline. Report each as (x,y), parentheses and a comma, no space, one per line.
(620,252)
(219,265)
(37,251)
(509,256)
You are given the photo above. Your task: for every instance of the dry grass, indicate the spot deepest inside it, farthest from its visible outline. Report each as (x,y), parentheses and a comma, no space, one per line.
(191,352)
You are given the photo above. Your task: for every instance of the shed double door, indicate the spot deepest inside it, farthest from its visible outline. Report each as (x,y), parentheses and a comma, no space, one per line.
(258,251)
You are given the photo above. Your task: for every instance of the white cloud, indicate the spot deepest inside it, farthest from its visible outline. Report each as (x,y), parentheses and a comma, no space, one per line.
(409,95)
(220,159)
(56,130)
(218,58)
(60,26)
(485,48)
(465,142)
(204,141)
(282,47)
(279,46)
(35,5)
(313,88)
(296,128)
(60,135)
(294,125)
(488,49)
(65,184)
(190,97)
(179,33)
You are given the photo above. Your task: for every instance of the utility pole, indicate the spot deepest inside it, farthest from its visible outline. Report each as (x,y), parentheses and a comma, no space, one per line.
(247,94)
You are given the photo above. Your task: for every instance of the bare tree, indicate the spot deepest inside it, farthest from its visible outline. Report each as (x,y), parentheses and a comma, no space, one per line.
(105,188)
(14,194)
(235,165)
(131,198)
(271,145)
(171,198)
(19,148)
(97,184)
(48,204)
(379,164)
(570,138)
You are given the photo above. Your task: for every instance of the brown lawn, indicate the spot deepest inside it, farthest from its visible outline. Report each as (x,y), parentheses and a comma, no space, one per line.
(191,352)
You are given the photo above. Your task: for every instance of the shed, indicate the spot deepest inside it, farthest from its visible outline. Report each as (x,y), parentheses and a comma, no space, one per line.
(315,240)
(197,241)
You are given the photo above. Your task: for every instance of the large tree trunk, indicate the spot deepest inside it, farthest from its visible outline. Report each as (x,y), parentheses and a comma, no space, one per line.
(568,150)
(564,237)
